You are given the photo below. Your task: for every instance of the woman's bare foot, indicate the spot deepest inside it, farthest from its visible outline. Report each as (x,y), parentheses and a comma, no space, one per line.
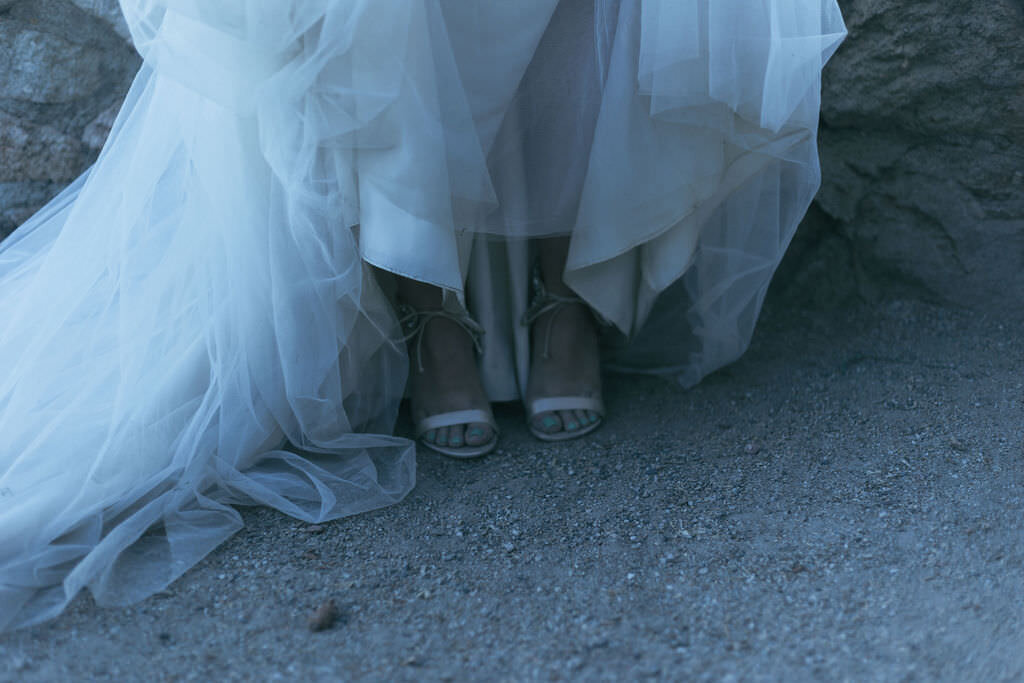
(565,361)
(565,356)
(443,372)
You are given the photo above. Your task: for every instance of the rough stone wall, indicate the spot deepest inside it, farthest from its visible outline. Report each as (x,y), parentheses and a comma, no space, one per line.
(922,140)
(64,67)
(922,145)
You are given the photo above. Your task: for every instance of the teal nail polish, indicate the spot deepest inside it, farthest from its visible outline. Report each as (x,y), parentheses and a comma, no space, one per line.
(572,426)
(476,432)
(550,421)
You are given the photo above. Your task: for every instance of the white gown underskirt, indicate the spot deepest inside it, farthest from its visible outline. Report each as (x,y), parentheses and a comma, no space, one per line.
(193,325)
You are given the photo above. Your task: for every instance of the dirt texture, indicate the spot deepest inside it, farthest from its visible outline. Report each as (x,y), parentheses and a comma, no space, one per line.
(845,503)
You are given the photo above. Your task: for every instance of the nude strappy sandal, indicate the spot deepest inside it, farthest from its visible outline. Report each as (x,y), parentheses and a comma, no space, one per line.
(413,323)
(546,302)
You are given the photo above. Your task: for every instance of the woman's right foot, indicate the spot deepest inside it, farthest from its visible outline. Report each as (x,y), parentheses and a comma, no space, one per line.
(565,363)
(564,391)
(445,380)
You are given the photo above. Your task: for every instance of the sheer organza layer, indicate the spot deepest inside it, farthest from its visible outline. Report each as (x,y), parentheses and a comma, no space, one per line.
(200,298)
(166,325)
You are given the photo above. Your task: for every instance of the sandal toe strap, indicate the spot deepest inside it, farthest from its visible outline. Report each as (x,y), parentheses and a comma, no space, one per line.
(458,417)
(556,403)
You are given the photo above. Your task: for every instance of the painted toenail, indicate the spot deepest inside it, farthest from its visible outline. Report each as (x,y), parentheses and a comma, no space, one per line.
(476,432)
(550,421)
(572,426)
(455,442)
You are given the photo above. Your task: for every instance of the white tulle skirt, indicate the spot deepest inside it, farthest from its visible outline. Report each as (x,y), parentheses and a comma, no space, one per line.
(193,324)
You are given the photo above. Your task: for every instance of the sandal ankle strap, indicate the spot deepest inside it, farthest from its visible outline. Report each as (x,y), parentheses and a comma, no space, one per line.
(413,323)
(546,302)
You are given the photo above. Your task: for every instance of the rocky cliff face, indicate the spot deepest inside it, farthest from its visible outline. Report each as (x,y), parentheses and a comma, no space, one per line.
(922,144)
(922,140)
(63,68)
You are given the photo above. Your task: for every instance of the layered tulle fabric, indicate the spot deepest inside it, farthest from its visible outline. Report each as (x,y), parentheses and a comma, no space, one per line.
(681,174)
(193,324)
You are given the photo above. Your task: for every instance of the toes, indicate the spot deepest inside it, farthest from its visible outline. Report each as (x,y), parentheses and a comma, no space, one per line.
(565,420)
(569,420)
(456,436)
(478,434)
(549,423)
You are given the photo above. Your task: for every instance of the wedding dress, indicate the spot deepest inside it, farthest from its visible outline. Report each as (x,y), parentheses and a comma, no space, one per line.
(193,323)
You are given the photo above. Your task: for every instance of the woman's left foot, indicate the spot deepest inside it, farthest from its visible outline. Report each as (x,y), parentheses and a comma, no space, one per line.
(564,394)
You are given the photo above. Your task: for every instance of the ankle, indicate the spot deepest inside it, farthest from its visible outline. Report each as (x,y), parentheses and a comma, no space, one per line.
(446,348)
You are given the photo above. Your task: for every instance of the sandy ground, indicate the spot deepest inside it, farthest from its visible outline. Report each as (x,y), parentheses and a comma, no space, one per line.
(844,503)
